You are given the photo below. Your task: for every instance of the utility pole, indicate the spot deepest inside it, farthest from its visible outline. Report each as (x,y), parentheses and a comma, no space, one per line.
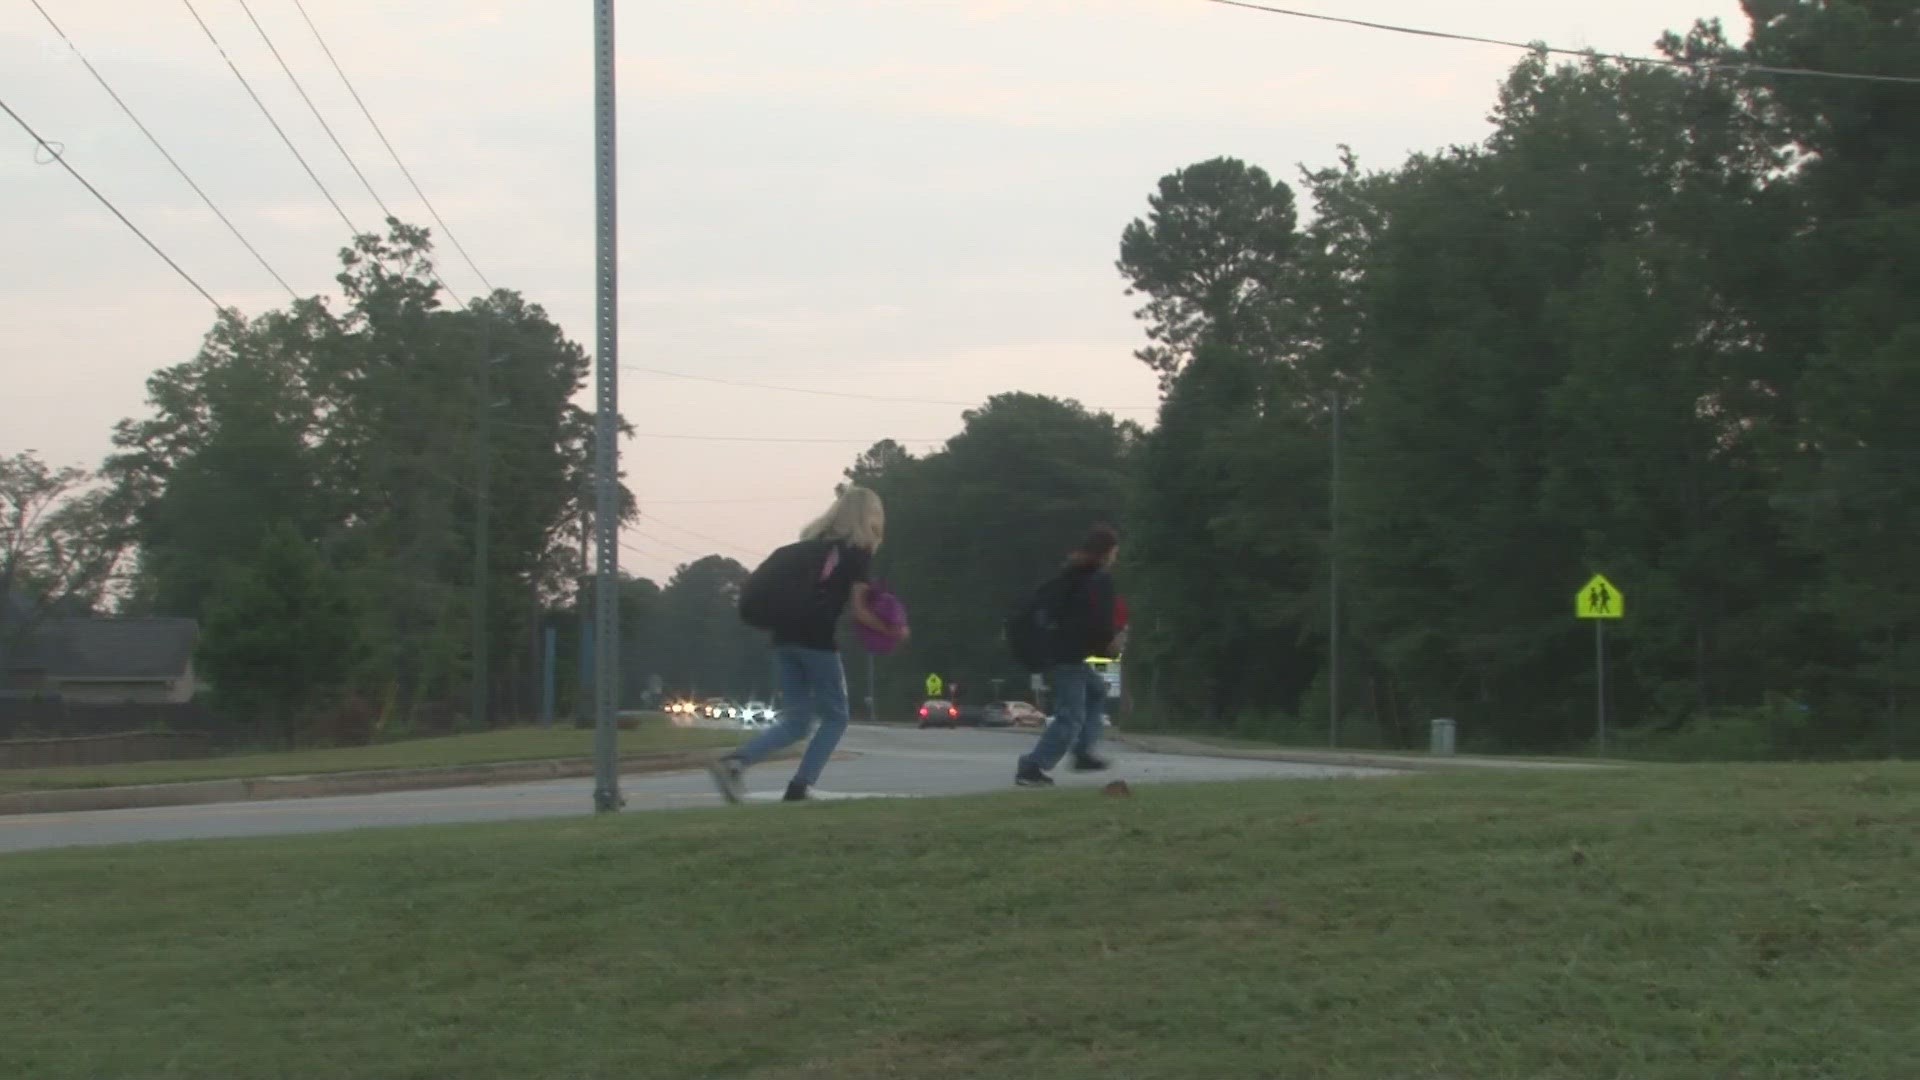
(483,500)
(1333,581)
(549,646)
(583,611)
(606,432)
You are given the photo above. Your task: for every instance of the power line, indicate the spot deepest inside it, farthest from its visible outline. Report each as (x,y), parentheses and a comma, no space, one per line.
(1622,58)
(687,551)
(761,500)
(301,89)
(792,389)
(268,113)
(776,439)
(845,394)
(630,548)
(314,109)
(404,171)
(104,201)
(736,548)
(177,167)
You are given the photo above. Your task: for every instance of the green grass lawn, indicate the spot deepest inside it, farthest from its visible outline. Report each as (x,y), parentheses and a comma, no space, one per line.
(511,744)
(1672,924)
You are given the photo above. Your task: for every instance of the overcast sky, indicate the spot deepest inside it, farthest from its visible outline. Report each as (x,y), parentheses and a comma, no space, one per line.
(909,198)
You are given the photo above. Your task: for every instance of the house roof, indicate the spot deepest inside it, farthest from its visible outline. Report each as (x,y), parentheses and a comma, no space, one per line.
(13,609)
(117,649)
(22,649)
(17,609)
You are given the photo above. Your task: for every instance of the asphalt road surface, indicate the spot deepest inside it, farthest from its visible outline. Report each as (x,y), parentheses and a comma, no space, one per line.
(879,762)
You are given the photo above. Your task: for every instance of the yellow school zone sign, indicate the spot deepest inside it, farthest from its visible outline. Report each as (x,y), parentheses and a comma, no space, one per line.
(1599,599)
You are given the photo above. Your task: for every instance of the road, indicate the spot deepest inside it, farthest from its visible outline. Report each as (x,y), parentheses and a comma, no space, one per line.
(880,762)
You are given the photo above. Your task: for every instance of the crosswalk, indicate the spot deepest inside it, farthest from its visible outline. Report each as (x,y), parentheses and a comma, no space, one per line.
(828,796)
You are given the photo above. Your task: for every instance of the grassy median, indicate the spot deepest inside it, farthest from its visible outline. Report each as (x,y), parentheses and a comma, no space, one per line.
(1659,924)
(512,744)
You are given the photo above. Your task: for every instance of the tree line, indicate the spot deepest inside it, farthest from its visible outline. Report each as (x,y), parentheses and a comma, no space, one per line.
(311,487)
(1657,324)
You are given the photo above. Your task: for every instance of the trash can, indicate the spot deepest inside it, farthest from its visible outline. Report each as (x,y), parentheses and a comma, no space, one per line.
(1442,740)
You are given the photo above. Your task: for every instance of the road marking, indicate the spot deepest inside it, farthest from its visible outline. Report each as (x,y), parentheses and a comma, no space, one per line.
(825,796)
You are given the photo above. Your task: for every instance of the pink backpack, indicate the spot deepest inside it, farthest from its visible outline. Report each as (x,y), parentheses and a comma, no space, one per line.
(888,607)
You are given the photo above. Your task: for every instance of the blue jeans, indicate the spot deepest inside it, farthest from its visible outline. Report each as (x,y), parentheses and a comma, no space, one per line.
(1079,713)
(813,686)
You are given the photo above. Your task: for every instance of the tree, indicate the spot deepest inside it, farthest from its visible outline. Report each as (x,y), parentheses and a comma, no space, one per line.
(1845,326)
(280,634)
(1558,384)
(376,432)
(249,466)
(1220,547)
(1569,348)
(972,527)
(643,638)
(59,551)
(706,648)
(1211,256)
(881,460)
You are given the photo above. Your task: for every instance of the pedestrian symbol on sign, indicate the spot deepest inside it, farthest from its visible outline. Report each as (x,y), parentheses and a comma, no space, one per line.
(1599,599)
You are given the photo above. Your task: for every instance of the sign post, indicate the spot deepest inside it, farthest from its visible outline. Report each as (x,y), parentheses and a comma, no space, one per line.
(606,426)
(1600,602)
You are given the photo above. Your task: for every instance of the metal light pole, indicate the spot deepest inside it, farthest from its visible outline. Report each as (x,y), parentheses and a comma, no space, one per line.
(1333,583)
(606,449)
(482,528)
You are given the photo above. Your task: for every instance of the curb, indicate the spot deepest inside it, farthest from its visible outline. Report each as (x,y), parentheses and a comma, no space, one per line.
(1159,744)
(266,788)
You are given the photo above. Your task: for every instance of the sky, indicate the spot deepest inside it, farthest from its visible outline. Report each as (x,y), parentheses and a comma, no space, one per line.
(917,200)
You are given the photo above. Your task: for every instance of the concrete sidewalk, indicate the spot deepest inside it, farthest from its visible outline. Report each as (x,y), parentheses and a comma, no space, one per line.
(1412,762)
(261,788)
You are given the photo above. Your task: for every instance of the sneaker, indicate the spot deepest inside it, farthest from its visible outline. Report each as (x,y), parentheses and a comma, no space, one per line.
(1091,763)
(796,792)
(730,777)
(1031,776)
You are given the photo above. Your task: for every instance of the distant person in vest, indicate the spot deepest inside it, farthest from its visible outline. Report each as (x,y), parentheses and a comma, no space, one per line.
(813,684)
(1089,624)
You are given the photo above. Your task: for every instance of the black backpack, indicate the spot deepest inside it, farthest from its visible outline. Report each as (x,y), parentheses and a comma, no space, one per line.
(1036,632)
(790,587)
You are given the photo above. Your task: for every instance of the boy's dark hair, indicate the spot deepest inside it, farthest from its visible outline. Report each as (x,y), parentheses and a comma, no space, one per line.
(1093,551)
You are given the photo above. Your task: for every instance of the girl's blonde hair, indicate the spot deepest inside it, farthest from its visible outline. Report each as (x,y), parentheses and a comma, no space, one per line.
(856,518)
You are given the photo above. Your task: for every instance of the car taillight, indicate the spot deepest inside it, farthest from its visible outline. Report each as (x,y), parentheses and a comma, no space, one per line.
(953,713)
(923,711)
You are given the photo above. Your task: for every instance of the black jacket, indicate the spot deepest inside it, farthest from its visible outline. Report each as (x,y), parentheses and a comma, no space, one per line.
(1087,623)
